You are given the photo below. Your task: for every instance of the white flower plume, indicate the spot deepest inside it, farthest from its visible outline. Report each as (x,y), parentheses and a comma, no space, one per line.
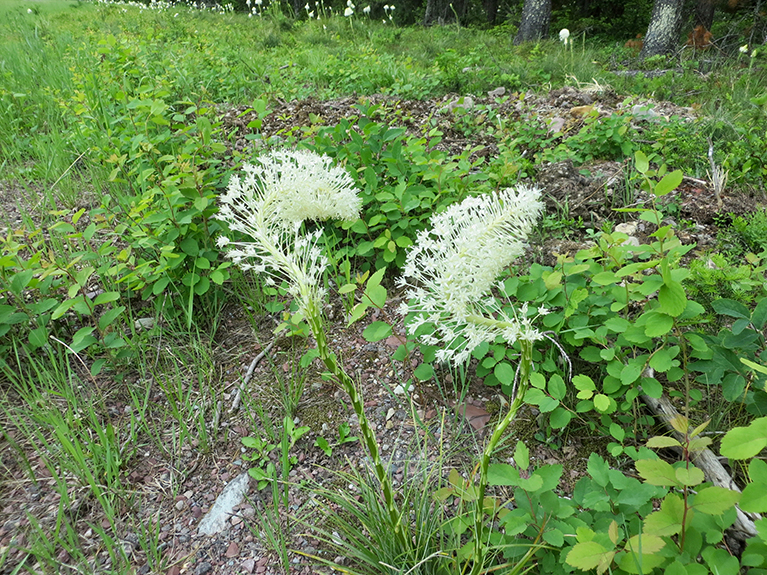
(453,267)
(564,34)
(269,205)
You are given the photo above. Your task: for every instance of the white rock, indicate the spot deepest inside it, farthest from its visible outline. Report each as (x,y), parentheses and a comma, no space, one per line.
(215,520)
(144,323)
(629,228)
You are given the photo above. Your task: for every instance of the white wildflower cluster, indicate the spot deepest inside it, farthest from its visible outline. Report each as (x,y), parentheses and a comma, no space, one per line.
(164,6)
(389,11)
(270,203)
(349,8)
(450,272)
(564,36)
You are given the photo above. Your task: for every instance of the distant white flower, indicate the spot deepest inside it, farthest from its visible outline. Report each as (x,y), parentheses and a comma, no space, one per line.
(450,272)
(175,15)
(311,14)
(29,10)
(258,2)
(386,7)
(366,9)
(564,34)
(743,49)
(306,7)
(269,205)
(391,7)
(348,12)
(349,4)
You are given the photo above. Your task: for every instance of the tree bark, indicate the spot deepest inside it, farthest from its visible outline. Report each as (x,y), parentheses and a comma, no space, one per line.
(704,13)
(443,11)
(491,10)
(536,15)
(663,32)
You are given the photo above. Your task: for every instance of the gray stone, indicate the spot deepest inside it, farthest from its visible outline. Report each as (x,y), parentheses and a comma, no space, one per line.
(216,519)
(203,568)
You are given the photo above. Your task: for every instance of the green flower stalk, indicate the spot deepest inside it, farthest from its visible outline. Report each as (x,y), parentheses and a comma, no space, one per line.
(269,205)
(449,275)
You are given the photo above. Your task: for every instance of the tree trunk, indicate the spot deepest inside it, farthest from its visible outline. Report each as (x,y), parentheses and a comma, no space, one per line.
(491,10)
(536,16)
(663,31)
(443,11)
(704,13)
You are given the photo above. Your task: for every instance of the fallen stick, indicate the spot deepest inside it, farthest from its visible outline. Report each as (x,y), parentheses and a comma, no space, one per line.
(715,473)
(248,375)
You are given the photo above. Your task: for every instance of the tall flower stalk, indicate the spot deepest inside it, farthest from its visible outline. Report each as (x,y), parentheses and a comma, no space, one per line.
(449,276)
(270,205)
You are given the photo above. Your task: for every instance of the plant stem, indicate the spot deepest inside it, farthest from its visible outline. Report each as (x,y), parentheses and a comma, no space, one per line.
(525,367)
(315,323)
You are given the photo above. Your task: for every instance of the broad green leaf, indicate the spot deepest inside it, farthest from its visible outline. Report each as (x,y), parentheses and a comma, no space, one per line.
(730,308)
(377,331)
(715,500)
(82,339)
(637,564)
(347,288)
(658,324)
(661,441)
(556,386)
(106,297)
(657,472)
(424,372)
(754,498)
(672,298)
(631,372)
(641,163)
(38,337)
(559,418)
(689,476)
(598,469)
(107,318)
(601,402)
(759,317)
(745,442)
(668,183)
(504,372)
(502,474)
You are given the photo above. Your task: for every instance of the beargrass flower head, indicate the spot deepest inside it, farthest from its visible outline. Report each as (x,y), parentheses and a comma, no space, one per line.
(348,12)
(743,49)
(451,271)
(269,205)
(564,34)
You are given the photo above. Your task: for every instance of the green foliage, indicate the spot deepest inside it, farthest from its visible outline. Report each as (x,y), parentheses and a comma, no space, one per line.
(404,179)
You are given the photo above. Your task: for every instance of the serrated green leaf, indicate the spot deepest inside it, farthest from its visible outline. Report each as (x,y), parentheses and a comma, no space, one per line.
(656,472)
(715,500)
(730,308)
(601,402)
(589,555)
(689,476)
(598,469)
(668,520)
(672,298)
